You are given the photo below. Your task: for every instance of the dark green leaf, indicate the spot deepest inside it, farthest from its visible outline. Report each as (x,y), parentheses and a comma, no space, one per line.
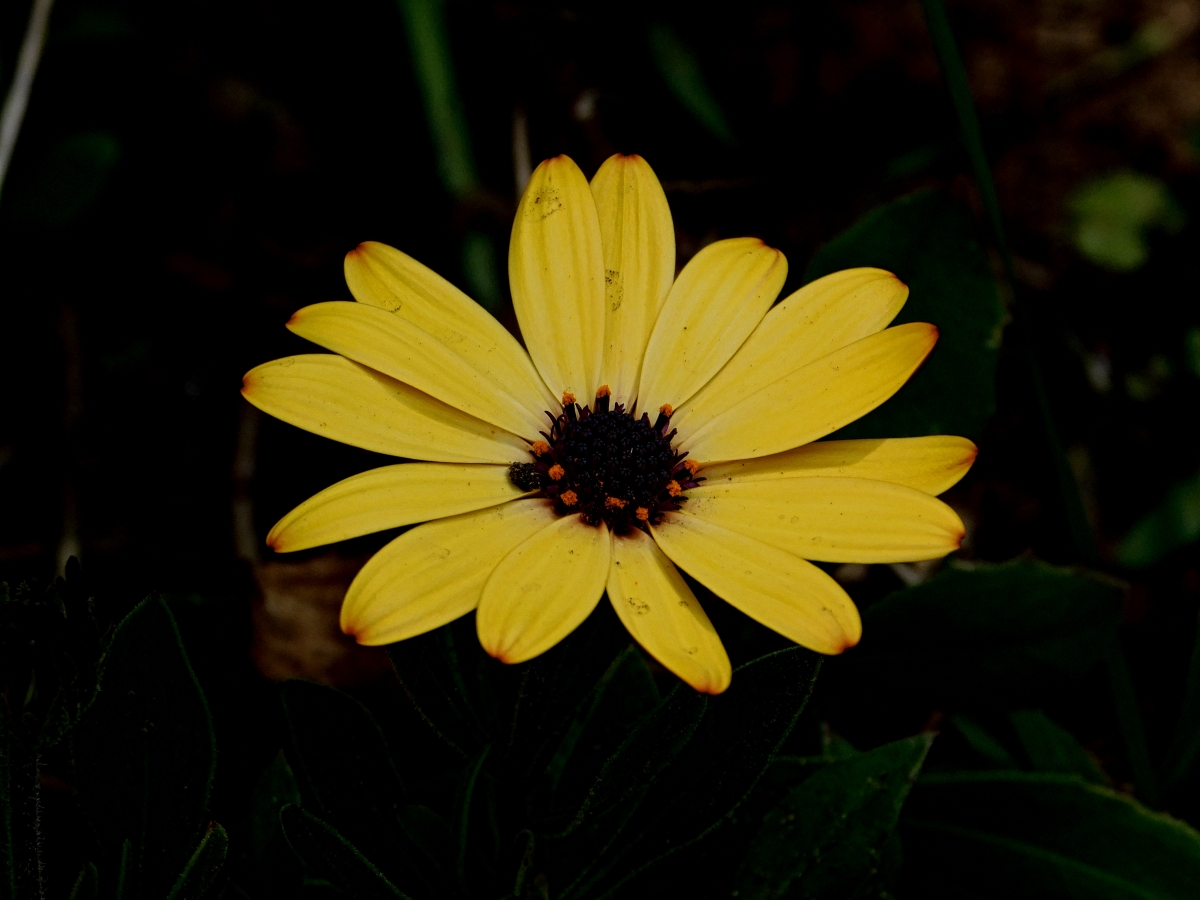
(334,858)
(87,885)
(621,696)
(275,789)
(345,772)
(826,837)
(203,868)
(442,673)
(931,243)
(145,754)
(1051,748)
(1007,629)
(983,743)
(69,180)
(717,769)
(1013,834)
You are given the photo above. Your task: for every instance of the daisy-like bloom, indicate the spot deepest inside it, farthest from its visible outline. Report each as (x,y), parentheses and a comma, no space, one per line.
(655,422)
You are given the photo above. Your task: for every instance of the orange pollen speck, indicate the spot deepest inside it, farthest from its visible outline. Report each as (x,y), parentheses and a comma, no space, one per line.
(673,488)
(540,447)
(642,513)
(568,398)
(568,498)
(666,409)
(615,502)
(603,391)
(556,472)
(691,465)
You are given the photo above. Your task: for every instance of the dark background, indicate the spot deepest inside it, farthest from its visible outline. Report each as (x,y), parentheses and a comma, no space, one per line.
(189,174)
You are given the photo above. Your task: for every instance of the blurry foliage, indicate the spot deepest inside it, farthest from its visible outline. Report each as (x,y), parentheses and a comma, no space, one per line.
(681,71)
(68,181)
(1114,215)
(931,243)
(1172,524)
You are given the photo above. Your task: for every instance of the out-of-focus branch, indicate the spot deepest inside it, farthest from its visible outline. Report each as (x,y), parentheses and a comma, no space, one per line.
(22,84)
(245,540)
(69,543)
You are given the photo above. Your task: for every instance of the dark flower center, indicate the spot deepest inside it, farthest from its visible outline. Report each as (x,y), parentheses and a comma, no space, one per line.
(607,465)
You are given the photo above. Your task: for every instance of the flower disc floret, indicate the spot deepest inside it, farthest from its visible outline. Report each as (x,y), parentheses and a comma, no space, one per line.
(608,465)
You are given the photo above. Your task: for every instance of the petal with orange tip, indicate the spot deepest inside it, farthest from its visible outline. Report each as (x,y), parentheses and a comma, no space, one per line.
(823,316)
(389,497)
(931,464)
(718,299)
(638,238)
(817,399)
(556,272)
(435,573)
(833,519)
(342,400)
(382,276)
(543,590)
(662,614)
(398,348)
(776,588)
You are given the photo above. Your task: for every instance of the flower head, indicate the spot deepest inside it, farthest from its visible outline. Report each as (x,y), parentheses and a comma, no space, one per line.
(655,424)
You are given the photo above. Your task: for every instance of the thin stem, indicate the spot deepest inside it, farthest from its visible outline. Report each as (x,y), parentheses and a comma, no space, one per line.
(1130,719)
(22,84)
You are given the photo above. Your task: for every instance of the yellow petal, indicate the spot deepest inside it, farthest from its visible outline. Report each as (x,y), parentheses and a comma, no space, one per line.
(718,299)
(396,347)
(931,464)
(556,272)
(780,590)
(821,317)
(638,238)
(817,399)
(435,573)
(661,612)
(389,497)
(543,589)
(833,519)
(339,399)
(382,276)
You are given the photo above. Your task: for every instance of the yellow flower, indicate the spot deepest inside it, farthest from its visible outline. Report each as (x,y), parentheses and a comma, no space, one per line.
(535,504)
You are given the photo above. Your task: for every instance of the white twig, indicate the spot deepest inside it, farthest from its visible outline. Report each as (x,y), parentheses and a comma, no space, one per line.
(22,83)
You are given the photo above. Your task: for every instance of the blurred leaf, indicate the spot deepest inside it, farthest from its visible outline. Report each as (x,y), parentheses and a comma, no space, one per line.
(983,743)
(481,269)
(1185,742)
(203,868)
(681,71)
(1051,748)
(68,180)
(276,788)
(716,768)
(1113,213)
(87,885)
(1009,629)
(931,243)
(145,754)
(825,838)
(1019,834)
(333,857)
(1169,526)
(433,64)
